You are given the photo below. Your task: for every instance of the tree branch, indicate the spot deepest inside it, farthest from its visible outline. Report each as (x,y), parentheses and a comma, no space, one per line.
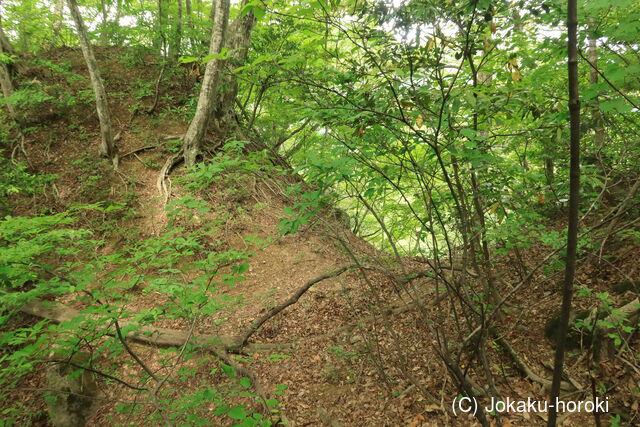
(244,337)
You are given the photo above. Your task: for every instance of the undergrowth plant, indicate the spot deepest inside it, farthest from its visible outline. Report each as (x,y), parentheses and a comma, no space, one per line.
(42,257)
(606,323)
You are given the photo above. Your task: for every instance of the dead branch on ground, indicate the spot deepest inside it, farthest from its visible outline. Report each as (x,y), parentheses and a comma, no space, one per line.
(150,335)
(244,337)
(527,371)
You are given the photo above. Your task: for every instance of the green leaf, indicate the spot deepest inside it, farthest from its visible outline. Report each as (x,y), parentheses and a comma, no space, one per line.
(187,59)
(237,413)
(469,133)
(259,11)
(223,55)
(228,370)
(243,268)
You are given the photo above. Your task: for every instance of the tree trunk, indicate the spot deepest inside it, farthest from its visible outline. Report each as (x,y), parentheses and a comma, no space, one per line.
(212,12)
(5,76)
(58,10)
(178,41)
(118,12)
(160,43)
(175,31)
(237,43)
(116,23)
(549,170)
(198,127)
(7,88)
(574,203)
(189,21)
(7,91)
(5,45)
(105,32)
(596,116)
(23,37)
(102,107)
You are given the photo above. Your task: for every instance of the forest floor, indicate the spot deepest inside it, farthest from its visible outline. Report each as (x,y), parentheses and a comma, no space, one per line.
(352,345)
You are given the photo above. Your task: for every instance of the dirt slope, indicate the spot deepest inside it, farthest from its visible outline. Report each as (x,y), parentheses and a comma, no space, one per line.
(341,359)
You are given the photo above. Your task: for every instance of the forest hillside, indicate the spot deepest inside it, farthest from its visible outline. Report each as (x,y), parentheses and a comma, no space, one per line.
(322,213)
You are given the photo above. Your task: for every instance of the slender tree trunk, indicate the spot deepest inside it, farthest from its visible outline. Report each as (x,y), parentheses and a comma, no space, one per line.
(189,21)
(178,41)
(163,40)
(116,22)
(621,209)
(5,75)
(596,116)
(58,10)
(212,12)
(574,203)
(5,45)
(7,91)
(105,32)
(24,38)
(198,127)
(479,78)
(118,12)
(175,31)
(7,88)
(102,107)
(549,170)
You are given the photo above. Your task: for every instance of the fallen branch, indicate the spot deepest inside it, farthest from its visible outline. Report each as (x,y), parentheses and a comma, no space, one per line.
(628,312)
(95,371)
(244,372)
(619,211)
(367,319)
(133,355)
(527,371)
(137,150)
(244,337)
(151,335)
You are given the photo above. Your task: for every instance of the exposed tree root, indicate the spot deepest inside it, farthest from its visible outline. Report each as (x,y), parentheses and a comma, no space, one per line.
(244,372)
(20,146)
(157,91)
(172,137)
(244,337)
(218,346)
(620,209)
(171,162)
(151,335)
(327,419)
(527,371)
(346,328)
(627,311)
(137,150)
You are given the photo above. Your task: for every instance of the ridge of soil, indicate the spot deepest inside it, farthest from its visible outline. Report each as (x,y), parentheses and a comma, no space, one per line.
(338,362)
